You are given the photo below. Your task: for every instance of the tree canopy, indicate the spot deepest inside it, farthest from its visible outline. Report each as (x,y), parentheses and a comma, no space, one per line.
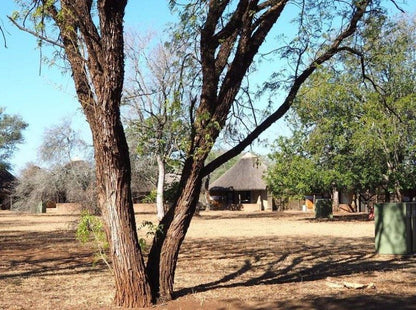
(353,126)
(11,127)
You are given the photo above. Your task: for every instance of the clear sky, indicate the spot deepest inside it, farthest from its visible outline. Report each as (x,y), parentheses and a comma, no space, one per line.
(44,100)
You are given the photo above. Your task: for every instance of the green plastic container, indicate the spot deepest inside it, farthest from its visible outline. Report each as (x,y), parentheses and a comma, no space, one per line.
(40,208)
(395,228)
(323,208)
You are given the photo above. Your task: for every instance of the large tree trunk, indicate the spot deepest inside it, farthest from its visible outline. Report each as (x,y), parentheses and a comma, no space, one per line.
(98,83)
(184,211)
(113,176)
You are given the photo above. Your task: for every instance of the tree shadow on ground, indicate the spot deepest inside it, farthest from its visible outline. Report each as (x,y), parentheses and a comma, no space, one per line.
(377,302)
(286,260)
(348,217)
(301,216)
(29,253)
(215,215)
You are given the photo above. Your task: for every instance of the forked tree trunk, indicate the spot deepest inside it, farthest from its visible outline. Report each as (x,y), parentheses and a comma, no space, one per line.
(215,103)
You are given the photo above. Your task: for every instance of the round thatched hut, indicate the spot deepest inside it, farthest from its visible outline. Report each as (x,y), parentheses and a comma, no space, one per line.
(242,184)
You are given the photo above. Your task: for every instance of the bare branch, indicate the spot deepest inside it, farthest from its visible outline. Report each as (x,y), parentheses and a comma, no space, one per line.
(376,87)
(35,34)
(397,6)
(4,37)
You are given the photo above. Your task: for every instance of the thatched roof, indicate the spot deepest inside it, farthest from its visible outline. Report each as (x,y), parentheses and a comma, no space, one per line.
(245,175)
(6,178)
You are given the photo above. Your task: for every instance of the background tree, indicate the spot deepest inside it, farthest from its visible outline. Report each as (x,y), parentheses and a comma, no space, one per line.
(154,92)
(69,160)
(34,186)
(367,143)
(73,182)
(11,127)
(294,173)
(61,144)
(64,177)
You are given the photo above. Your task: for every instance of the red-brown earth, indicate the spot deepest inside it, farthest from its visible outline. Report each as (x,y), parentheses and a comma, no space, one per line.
(229,260)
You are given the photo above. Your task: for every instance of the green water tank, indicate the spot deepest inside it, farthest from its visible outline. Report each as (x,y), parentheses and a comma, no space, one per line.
(323,208)
(395,228)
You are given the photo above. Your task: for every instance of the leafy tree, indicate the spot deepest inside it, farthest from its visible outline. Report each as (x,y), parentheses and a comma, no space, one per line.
(293,173)
(11,127)
(367,142)
(391,120)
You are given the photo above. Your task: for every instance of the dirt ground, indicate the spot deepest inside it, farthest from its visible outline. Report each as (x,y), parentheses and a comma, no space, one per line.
(229,260)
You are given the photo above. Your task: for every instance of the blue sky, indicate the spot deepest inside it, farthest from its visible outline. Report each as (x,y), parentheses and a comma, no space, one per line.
(45,100)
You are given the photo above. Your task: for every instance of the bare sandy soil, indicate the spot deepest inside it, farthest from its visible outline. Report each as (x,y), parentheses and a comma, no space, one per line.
(229,260)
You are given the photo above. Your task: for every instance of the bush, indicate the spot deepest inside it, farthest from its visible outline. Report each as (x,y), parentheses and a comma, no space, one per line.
(91,230)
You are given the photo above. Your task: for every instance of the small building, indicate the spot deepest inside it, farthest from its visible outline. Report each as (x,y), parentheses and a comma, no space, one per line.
(6,187)
(242,184)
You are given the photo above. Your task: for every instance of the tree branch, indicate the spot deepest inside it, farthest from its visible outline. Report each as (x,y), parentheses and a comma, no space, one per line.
(4,37)
(376,87)
(397,6)
(298,81)
(35,34)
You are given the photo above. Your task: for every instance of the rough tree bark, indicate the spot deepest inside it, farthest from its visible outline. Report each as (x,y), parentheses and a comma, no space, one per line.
(105,65)
(245,32)
(97,66)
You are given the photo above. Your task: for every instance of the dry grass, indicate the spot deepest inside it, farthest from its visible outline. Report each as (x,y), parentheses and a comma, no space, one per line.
(229,260)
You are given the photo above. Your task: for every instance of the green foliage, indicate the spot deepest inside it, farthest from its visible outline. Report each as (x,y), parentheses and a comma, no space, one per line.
(351,135)
(91,230)
(170,192)
(11,127)
(151,197)
(152,230)
(295,174)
